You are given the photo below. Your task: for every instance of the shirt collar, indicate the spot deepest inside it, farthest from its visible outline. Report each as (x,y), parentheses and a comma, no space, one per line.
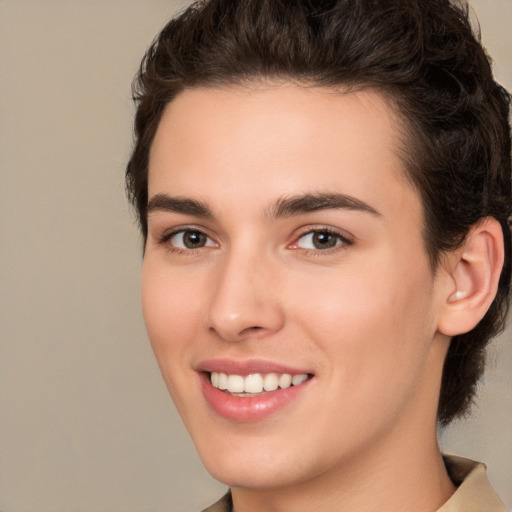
(474,492)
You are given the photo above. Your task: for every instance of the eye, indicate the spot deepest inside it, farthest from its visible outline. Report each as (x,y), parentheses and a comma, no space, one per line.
(321,239)
(190,239)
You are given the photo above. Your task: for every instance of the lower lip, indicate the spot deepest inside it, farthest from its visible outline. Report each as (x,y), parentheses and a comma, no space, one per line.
(249,408)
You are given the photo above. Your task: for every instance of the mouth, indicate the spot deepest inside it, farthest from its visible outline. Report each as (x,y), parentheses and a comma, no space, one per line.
(252,390)
(255,384)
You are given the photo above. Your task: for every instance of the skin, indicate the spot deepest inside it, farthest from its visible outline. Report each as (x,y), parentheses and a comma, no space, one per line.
(363,317)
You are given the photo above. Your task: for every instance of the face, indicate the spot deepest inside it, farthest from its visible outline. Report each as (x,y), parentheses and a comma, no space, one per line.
(285,263)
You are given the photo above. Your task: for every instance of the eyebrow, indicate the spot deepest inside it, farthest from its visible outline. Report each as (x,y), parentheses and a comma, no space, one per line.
(284,207)
(186,206)
(311,202)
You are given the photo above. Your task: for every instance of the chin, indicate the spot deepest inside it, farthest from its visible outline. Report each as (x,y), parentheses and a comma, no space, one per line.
(253,475)
(256,463)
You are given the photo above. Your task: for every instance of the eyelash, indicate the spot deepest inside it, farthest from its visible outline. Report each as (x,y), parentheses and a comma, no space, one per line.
(166,237)
(342,241)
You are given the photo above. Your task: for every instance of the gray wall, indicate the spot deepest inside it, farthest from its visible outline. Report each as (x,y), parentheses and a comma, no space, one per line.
(85,423)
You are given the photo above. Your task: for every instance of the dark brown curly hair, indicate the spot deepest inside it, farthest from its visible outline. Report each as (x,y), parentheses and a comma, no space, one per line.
(422,54)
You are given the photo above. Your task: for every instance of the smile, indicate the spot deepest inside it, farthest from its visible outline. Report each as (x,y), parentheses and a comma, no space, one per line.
(249,391)
(254,383)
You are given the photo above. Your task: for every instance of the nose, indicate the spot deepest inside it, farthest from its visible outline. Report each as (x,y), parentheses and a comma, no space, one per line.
(245,302)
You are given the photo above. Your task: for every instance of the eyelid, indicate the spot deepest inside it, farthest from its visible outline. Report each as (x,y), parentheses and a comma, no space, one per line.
(167,235)
(345,239)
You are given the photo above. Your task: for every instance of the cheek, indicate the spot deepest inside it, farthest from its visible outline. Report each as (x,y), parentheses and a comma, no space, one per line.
(172,318)
(170,310)
(370,320)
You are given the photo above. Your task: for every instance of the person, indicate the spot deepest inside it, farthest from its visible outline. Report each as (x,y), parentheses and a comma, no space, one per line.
(324,193)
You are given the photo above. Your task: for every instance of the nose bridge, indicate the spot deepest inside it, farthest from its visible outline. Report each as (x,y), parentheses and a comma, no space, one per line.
(244,302)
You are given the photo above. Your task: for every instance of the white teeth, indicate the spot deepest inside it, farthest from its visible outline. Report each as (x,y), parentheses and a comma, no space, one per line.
(253,383)
(256,382)
(298,379)
(235,384)
(271,382)
(223,381)
(285,381)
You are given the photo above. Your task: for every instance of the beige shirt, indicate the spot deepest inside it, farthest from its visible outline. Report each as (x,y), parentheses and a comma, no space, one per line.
(474,492)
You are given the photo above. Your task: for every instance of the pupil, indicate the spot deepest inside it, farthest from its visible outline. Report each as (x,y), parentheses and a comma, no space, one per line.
(193,239)
(324,240)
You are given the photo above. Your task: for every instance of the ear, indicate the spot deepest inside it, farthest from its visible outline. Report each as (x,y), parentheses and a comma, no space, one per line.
(472,274)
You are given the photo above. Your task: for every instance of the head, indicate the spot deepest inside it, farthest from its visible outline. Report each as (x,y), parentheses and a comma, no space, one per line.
(421,56)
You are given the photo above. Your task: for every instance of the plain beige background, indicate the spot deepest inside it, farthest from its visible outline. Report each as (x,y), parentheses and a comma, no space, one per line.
(85,421)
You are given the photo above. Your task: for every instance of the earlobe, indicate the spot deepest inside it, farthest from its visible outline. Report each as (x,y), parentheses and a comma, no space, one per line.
(473,273)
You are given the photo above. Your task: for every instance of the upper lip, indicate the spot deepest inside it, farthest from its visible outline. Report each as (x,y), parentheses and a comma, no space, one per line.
(247,367)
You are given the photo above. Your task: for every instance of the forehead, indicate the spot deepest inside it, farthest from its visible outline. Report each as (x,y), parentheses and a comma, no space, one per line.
(265,141)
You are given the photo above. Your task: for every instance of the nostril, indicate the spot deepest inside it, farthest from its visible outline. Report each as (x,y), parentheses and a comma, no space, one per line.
(255,328)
